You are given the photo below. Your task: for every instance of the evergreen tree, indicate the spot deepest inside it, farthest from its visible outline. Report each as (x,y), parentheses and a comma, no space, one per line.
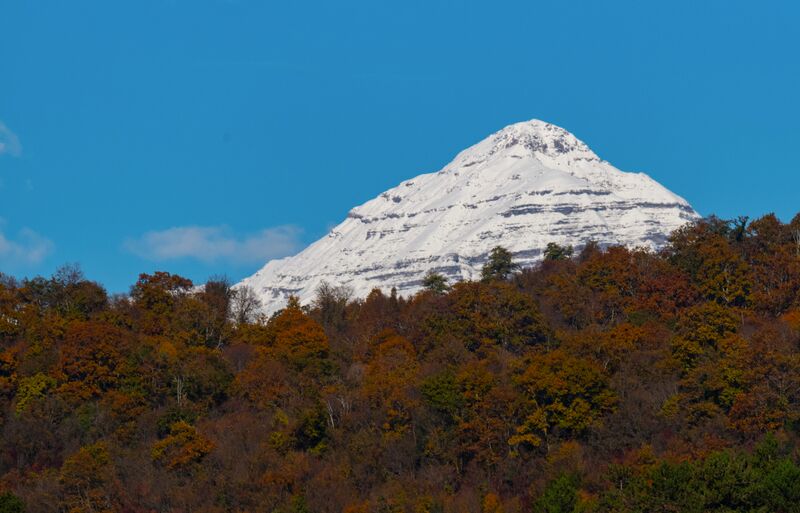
(10,503)
(499,265)
(435,282)
(560,496)
(555,252)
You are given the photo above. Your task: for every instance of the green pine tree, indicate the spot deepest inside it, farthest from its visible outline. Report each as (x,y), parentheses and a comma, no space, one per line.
(435,282)
(499,266)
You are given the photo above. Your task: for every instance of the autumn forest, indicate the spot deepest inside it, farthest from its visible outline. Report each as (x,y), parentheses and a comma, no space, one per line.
(601,380)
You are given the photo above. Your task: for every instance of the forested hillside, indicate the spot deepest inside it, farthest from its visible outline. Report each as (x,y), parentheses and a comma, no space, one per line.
(610,380)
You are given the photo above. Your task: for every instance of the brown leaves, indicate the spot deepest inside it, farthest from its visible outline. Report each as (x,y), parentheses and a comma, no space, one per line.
(390,381)
(183,448)
(92,359)
(488,314)
(564,393)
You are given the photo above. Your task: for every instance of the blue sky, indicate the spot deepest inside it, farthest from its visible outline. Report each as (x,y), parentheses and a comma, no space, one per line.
(205,137)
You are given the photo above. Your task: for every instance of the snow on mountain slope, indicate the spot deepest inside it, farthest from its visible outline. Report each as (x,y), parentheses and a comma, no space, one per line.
(527,185)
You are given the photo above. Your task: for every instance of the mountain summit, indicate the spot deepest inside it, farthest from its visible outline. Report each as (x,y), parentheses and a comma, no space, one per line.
(523,187)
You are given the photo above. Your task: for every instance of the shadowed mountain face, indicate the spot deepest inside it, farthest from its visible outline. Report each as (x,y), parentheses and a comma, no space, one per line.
(527,185)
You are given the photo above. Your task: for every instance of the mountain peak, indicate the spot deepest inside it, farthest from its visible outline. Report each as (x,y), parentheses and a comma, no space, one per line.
(522,187)
(548,143)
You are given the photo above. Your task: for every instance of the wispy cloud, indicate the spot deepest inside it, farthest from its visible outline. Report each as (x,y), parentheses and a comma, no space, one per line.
(28,248)
(9,142)
(215,243)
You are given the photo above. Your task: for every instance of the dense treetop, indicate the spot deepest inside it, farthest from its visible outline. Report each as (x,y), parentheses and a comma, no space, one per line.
(602,380)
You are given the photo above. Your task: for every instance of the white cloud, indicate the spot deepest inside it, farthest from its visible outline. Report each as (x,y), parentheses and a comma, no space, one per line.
(9,142)
(29,248)
(214,243)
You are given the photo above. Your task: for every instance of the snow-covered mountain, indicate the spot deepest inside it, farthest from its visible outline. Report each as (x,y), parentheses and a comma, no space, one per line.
(527,185)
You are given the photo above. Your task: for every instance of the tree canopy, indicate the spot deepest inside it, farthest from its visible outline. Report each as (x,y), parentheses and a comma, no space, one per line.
(610,380)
